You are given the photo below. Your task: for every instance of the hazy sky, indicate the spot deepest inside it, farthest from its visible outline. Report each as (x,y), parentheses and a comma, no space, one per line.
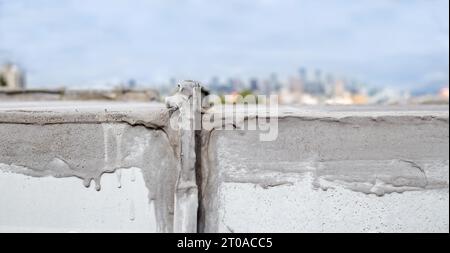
(85,42)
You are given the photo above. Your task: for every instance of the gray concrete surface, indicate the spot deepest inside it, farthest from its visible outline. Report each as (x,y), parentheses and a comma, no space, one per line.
(330,169)
(87,140)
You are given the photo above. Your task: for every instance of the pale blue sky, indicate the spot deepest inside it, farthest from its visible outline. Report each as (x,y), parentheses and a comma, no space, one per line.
(85,42)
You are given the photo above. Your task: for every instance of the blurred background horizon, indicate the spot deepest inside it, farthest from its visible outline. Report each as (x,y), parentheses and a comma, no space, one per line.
(344,52)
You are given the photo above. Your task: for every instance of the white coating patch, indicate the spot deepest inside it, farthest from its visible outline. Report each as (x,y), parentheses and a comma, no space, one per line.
(298,207)
(47,204)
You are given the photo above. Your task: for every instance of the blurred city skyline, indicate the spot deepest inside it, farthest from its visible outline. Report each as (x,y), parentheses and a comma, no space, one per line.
(393,43)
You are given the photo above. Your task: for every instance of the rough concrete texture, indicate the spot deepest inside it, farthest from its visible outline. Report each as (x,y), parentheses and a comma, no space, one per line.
(86,141)
(330,169)
(151,115)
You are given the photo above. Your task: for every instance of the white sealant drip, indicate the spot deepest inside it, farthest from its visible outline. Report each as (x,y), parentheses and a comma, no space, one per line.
(119,178)
(113,161)
(133,175)
(132,211)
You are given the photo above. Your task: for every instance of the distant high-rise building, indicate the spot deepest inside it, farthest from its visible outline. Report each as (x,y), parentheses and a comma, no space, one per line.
(229,86)
(254,84)
(329,84)
(302,74)
(329,79)
(315,86)
(214,84)
(11,77)
(131,84)
(274,83)
(318,76)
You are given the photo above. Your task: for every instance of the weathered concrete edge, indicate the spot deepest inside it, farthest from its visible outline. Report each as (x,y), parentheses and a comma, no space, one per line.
(208,183)
(156,119)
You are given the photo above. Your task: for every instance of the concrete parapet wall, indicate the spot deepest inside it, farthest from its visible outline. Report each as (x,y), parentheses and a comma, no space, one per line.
(382,170)
(337,169)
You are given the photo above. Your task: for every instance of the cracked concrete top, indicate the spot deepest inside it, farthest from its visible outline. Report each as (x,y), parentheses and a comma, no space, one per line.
(149,114)
(156,115)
